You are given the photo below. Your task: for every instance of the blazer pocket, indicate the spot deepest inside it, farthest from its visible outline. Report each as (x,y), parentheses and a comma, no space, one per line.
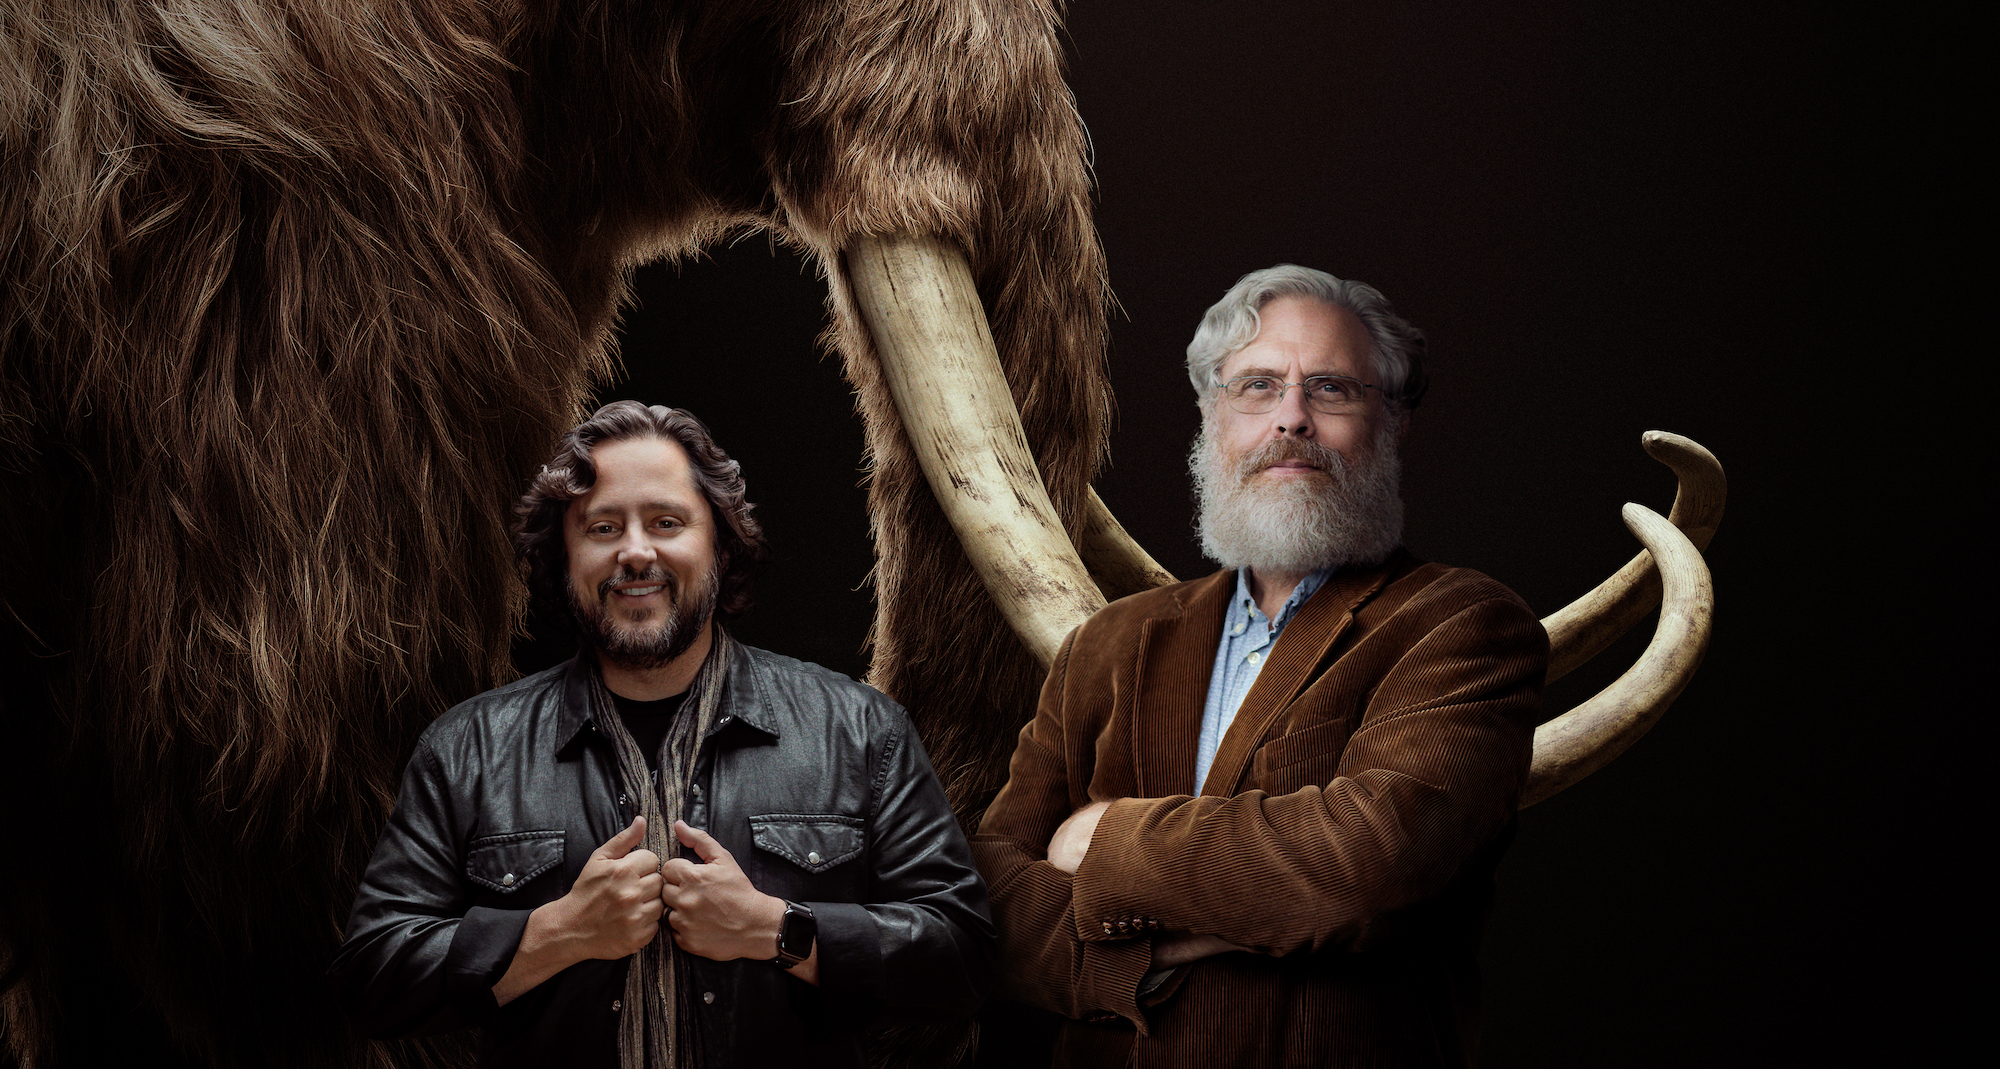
(814,842)
(507,863)
(1307,756)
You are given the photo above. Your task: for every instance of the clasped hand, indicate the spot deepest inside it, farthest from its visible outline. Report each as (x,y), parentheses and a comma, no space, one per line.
(614,907)
(712,908)
(612,910)
(624,893)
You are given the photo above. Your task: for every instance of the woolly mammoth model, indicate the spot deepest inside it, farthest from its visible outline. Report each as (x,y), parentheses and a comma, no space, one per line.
(298,295)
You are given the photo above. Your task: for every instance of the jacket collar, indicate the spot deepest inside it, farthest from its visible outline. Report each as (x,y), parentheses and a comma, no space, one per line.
(744,701)
(1294,661)
(1178,652)
(1176,648)
(574,717)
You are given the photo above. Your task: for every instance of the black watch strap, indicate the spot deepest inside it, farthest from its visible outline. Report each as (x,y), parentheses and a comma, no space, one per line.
(796,935)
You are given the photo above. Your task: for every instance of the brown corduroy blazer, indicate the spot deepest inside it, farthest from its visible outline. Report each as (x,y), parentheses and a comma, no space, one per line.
(1348,831)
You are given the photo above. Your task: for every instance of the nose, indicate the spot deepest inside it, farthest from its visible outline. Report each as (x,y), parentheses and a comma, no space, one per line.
(635,550)
(1293,419)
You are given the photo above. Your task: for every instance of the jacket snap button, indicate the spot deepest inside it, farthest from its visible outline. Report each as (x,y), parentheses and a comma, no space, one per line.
(707,997)
(507,880)
(695,790)
(616,1005)
(812,856)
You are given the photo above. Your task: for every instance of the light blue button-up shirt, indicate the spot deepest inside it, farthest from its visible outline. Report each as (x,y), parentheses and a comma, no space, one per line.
(1247,637)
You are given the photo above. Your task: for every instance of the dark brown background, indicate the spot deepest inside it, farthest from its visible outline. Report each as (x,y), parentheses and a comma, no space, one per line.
(1679,216)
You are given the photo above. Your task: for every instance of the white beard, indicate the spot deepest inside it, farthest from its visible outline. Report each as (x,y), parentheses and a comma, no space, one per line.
(1294,526)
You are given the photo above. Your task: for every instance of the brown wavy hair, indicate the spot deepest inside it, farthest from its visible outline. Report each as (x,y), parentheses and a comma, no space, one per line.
(538,516)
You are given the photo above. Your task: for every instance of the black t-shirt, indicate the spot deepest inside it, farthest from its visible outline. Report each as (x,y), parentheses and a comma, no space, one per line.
(648,722)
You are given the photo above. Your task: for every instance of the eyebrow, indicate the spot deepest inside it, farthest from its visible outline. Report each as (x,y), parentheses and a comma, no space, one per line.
(1268,373)
(650,506)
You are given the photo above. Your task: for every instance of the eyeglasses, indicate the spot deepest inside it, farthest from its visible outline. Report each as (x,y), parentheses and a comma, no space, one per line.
(1326,394)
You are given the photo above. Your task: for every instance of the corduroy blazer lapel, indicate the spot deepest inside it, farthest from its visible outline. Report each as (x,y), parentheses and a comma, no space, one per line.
(1176,653)
(1296,659)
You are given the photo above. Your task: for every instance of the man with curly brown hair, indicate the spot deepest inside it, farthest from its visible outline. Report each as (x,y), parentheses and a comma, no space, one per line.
(675,849)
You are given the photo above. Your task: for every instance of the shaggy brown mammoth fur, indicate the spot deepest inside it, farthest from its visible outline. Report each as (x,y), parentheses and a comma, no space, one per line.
(297,295)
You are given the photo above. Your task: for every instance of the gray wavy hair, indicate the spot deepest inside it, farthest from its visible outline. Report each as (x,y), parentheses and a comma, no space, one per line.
(1232,323)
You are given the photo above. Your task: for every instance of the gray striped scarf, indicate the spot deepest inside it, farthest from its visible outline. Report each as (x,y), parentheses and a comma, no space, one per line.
(659,1029)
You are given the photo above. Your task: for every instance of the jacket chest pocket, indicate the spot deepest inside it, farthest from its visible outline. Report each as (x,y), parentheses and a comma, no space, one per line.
(504,864)
(1309,756)
(809,850)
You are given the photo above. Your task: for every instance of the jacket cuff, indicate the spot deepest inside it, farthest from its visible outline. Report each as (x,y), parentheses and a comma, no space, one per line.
(1113,931)
(1109,898)
(1111,975)
(850,957)
(481,949)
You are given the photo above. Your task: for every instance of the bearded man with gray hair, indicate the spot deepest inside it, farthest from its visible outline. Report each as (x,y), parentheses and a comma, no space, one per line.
(1256,817)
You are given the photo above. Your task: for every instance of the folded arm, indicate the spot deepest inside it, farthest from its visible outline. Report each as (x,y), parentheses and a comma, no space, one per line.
(1428,779)
(1042,962)
(1170,949)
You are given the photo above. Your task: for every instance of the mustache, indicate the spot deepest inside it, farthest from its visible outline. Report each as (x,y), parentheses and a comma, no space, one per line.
(654,574)
(1286,449)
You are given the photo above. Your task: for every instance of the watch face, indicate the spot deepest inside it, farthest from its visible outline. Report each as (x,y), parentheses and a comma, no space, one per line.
(796,934)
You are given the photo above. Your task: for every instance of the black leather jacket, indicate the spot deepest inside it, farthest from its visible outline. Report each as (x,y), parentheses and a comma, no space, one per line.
(815,783)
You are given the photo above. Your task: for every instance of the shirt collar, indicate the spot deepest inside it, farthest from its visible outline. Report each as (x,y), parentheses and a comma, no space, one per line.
(742,699)
(574,717)
(1300,595)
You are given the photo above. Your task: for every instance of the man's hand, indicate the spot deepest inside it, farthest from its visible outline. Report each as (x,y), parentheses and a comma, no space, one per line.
(1072,840)
(716,913)
(611,911)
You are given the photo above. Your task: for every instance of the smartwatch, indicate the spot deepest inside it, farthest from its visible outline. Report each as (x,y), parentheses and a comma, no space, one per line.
(796,935)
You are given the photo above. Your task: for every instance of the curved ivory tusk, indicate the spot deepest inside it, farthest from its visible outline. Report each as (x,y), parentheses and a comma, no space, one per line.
(923,313)
(1116,561)
(1587,737)
(1583,628)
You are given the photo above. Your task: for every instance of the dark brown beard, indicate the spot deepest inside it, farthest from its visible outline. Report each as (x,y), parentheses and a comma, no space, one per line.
(643,652)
